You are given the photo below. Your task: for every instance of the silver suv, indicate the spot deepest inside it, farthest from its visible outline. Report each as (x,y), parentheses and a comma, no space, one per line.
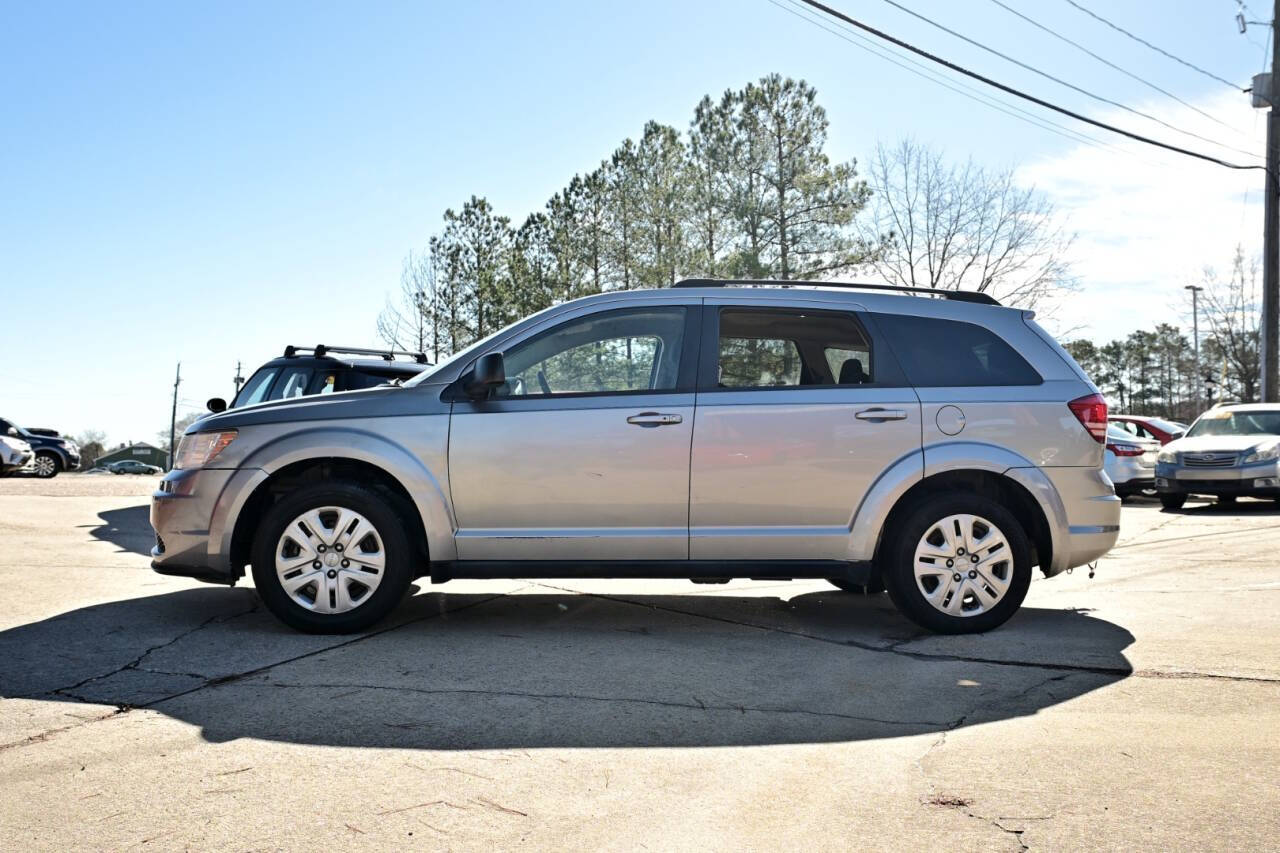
(938,447)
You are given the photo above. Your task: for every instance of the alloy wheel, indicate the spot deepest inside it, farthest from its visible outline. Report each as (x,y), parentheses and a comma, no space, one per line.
(330,559)
(963,565)
(45,466)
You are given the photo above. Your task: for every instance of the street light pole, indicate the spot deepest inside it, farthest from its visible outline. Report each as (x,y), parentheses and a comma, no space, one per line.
(1270,342)
(1195,332)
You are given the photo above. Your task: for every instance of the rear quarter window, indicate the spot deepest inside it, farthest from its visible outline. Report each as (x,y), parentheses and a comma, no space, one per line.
(950,353)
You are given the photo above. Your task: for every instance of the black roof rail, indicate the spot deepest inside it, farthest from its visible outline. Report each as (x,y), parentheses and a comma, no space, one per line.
(957,295)
(321,350)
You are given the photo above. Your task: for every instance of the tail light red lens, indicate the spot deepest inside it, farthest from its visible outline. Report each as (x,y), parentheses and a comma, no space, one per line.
(1091,411)
(1125,449)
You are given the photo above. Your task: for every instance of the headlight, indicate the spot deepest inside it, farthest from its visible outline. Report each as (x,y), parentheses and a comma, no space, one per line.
(199,449)
(1167,456)
(1266,454)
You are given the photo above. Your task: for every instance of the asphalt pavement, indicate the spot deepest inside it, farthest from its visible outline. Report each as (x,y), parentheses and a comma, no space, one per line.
(1137,709)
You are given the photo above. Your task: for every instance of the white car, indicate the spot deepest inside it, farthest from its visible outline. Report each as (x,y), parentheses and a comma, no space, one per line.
(1130,462)
(15,454)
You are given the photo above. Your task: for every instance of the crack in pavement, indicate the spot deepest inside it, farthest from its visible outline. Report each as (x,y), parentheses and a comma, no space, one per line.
(696,705)
(892,649)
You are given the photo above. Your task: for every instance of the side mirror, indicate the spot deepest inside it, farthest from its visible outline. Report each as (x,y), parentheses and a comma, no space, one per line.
(489,373)
(13,431)
(217,404)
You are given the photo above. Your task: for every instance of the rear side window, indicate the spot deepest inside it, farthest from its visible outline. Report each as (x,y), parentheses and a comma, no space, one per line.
(761,348)
(949,353)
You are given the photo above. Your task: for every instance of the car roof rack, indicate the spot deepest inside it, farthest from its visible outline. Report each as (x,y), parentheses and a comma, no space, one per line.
(321,350)
(957,295)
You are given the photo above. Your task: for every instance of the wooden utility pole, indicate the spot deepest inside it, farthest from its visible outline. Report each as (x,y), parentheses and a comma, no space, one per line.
(1270,343)
(173,416)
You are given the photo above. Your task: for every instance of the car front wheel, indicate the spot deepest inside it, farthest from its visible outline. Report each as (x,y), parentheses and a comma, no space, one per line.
(958,564)
(332,559)
(47,465)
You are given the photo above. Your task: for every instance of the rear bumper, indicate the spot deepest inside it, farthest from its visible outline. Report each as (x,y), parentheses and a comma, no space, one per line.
(1092,511)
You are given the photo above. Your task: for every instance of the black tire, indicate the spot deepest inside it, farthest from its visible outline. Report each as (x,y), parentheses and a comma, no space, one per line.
(1169,501)
(875,587)
(1227,500)
(398,561)
(50,470)
(898,572)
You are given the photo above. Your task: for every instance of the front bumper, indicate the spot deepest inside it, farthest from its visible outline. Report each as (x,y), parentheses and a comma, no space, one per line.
(189,513)
(1260,480)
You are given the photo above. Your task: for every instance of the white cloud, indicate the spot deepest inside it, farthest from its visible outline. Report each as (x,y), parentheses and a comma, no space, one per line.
(1148,221)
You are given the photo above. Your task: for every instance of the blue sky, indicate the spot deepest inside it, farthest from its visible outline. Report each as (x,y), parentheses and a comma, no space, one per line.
(208,182)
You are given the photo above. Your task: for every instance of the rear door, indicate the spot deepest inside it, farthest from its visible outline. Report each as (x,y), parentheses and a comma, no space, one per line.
(800,410)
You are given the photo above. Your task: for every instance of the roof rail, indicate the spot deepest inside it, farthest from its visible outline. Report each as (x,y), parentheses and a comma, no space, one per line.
(957,295)
(320,350)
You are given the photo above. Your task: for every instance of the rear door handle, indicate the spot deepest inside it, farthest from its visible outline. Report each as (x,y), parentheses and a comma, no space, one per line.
(881,415)
(653,419)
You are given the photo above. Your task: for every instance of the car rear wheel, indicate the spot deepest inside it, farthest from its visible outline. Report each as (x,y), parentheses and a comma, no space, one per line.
(958,564)
(332,559)
(47,465)
(1173,501)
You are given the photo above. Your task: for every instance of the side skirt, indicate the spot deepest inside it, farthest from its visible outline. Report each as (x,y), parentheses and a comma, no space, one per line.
(858,572)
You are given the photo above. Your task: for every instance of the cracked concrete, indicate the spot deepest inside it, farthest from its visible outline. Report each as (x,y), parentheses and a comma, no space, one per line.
(1118,712)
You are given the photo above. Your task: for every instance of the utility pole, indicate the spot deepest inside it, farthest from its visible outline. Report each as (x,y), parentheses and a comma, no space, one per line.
(1270,343)
(173,417)
(239,380)
(1195,337)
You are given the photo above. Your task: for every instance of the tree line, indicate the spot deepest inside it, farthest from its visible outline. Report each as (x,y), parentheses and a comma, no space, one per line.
(745,191)
(1154,372)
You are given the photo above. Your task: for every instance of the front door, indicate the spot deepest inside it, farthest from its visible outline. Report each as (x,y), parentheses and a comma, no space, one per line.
(799,412)
(584,453)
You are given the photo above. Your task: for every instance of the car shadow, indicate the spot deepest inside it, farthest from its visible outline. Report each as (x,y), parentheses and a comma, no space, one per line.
(1249,507)
(128,528)
(560,669)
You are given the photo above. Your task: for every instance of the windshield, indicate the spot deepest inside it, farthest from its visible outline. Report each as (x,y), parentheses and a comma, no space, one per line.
(468,353)
(1166,426)
(1229,422)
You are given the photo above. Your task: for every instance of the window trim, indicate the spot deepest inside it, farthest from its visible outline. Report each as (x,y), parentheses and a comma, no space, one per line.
(883,362)
(686,369)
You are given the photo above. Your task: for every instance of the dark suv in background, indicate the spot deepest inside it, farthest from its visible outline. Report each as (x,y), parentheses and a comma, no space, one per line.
(296,374)
(53,452)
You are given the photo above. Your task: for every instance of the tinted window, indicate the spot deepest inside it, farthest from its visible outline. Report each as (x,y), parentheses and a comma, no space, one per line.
(255,390)
(610,352)
(950,353)
(773,349)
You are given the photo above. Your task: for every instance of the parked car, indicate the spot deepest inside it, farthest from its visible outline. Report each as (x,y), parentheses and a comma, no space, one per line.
(942,446)
(133,466)
(1229,452)
(15,454)
(52,453)
(1130,462)
(296,374)
(1152,429)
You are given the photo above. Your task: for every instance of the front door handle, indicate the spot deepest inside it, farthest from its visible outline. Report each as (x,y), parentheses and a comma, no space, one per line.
(881,415)
(653,419)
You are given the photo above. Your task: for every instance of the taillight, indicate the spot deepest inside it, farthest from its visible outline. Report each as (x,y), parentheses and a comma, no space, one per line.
(1091,411)
(1125,449)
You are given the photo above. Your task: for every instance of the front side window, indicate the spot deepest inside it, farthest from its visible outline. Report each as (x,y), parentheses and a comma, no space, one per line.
(948,353)
(255,390)
(293,383)
(791,349)
(611,352)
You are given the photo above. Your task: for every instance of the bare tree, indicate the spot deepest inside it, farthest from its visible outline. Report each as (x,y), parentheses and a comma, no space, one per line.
(1231,306)
(954,227)
(409,322)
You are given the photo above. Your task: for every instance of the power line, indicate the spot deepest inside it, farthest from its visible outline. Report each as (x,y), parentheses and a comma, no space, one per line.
(923,71)
(1111,64)
(946,63)
(1100,98)
(1159,50)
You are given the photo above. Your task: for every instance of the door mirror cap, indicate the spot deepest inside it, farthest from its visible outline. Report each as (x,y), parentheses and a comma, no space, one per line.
(489,373)
(217,404)
(13,431)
